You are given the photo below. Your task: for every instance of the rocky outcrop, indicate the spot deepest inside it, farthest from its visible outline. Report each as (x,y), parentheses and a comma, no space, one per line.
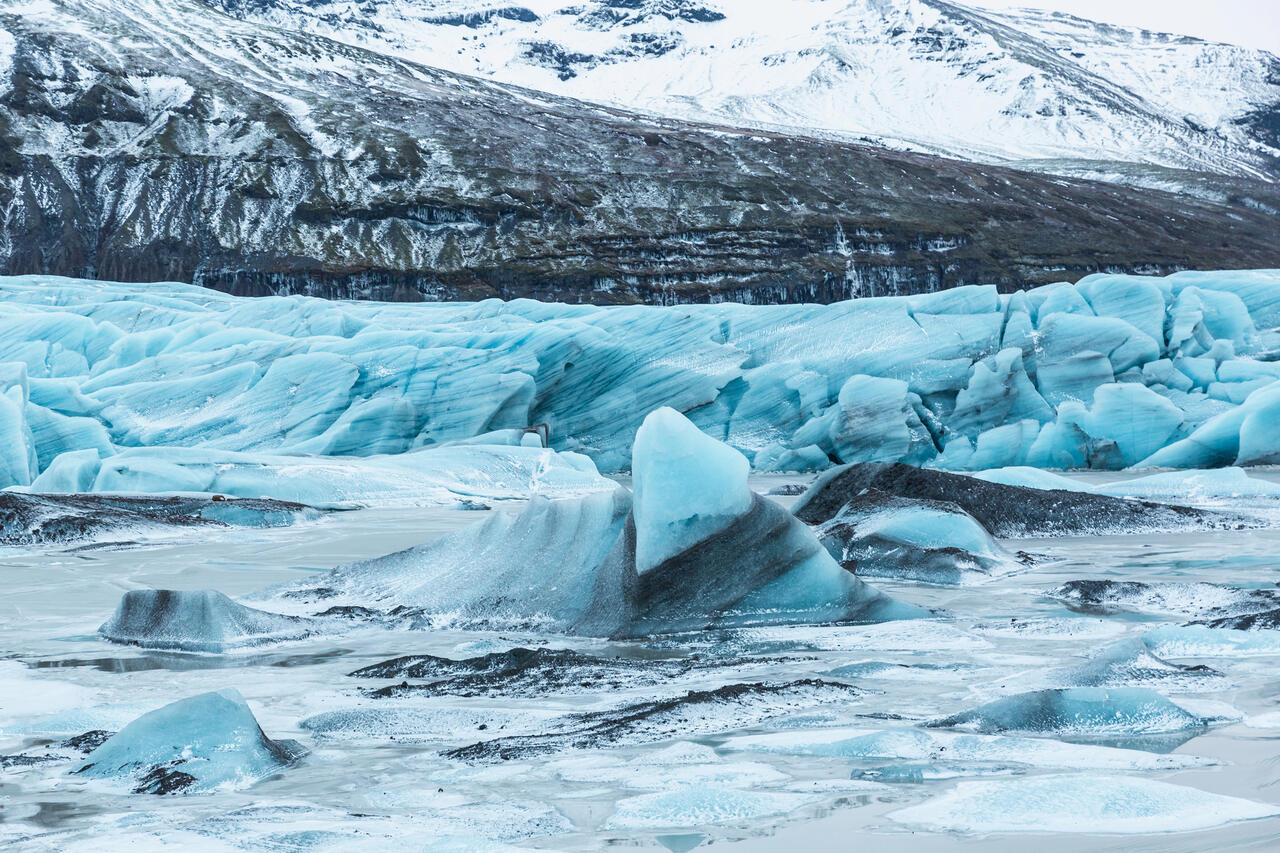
(259,161)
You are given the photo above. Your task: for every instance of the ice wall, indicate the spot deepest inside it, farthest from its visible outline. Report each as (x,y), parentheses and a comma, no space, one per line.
(1113,371)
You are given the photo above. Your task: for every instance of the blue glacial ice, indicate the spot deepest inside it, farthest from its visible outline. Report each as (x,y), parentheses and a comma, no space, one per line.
(702,805)
(1078,711)
(202,743)
(724,557)
(198,621)
(880,535)
(1079,803)
(978,751)
(1110,372)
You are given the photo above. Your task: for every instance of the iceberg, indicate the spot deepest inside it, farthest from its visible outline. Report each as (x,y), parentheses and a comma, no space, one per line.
(1112,371)
(879,535)
(1079,803)
(1003,510)
(1078,711)
(715,555)
(203,743)
(30,519)
(198,621)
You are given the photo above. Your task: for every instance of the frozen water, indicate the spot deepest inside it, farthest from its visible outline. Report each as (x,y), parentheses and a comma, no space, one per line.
(687,487)
(1078,711)
(879,535)
(970,749)
(197,621)
(1111,371)
(203,743)
(572,565)
(700,806)
(1092,804)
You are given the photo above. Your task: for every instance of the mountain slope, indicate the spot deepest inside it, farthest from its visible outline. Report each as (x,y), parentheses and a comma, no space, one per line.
(1036,89)
(144,140)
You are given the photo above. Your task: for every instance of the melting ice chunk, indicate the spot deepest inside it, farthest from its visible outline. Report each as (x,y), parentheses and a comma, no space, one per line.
(1092,804)
(202,743)
(1078,711)
(572,565)
(197,621)
(880,535)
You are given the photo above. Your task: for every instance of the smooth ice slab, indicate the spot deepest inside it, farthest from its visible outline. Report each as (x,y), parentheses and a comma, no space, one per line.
(1085,711)
(197,621)
(1079,804)
(204,743)
(702,806)
(984,752)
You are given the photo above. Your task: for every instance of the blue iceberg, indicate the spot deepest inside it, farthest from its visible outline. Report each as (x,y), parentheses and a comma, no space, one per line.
(1078,711)
(695,548)
(204,743)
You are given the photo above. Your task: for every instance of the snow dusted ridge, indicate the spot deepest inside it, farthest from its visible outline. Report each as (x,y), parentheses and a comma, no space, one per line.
(111,387)
(165,141)
(1035,89)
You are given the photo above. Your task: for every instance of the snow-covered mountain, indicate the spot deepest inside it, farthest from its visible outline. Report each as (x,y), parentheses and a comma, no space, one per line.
(1027,88)
(145,140)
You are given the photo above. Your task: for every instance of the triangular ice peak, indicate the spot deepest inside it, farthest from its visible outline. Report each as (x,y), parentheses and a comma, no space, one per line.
(686,486)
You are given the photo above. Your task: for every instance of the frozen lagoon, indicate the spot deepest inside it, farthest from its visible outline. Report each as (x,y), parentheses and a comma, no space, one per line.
(743,731)
(995,639)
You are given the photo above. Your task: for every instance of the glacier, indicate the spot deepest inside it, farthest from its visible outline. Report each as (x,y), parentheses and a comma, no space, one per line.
(168,387)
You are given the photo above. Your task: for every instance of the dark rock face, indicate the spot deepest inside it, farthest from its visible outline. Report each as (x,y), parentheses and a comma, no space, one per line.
(696,712)
(148,158)
(1006,511)
(27,519)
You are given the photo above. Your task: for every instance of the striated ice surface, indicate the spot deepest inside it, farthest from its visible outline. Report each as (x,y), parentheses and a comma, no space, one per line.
(1080,804)
(197,621)
(203,743)
(1110,372)
(573,565)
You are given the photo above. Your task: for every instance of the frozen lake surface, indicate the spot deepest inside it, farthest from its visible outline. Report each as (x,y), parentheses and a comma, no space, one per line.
(808,769)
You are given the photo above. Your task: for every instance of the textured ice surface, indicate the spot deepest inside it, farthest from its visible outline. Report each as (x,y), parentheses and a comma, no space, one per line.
(425,476)
(44,519)
(700,806)
(572,565)
(1004,510)
(879,535)
(1079,804)
(1201,641)
(1130,663)
(1198,600)
(197,621)
(1105,373)
(203,743)
(1078,711)
(918,745)
(687,487)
